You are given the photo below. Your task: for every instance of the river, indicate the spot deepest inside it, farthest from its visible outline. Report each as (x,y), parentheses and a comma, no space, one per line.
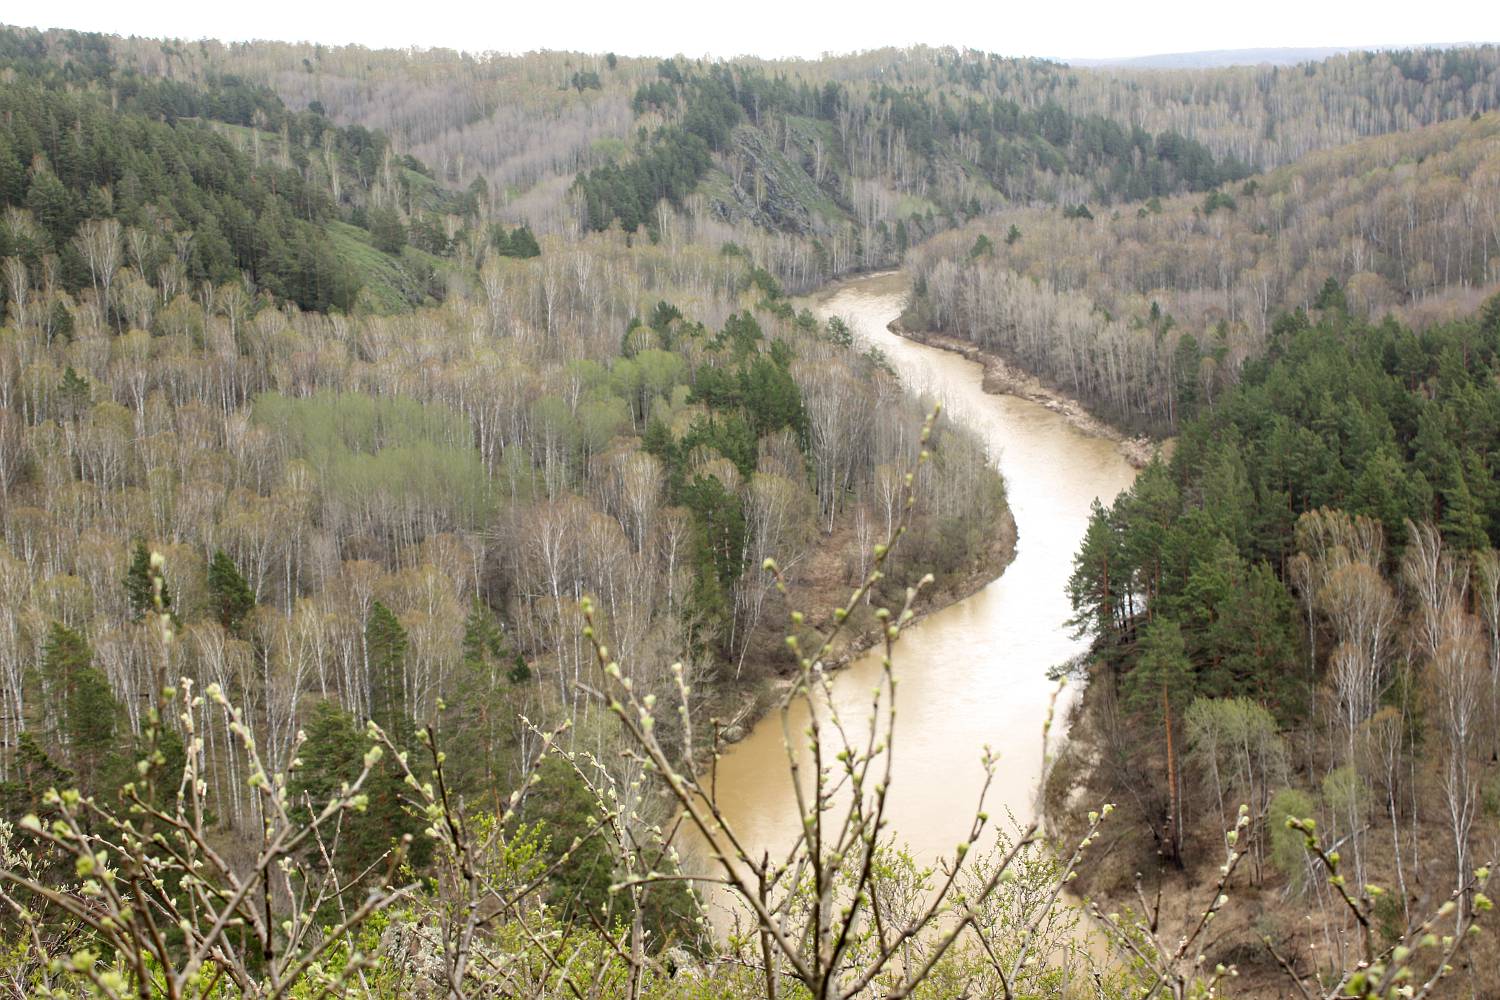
(974,673)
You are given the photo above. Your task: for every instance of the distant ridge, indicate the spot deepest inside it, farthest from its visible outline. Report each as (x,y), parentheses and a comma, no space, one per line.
(1215,58)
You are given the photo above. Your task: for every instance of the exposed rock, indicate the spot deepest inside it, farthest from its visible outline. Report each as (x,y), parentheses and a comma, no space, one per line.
(771,191)
(416,952)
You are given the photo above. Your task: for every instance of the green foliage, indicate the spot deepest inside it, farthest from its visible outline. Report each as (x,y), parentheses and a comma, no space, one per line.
(1162,672)
(479,726)
(1331,297)
(718,547)
(74,392)
(1218,200)
(562,807)
(230,598)
(1288,853)
(519,242)
(327,425)
(139,591)
(89,712)
(386,646)
(1014,145)
(387,231)
(565,812)
(333,756)
(1345,791)
(389,453)
(1242,623)
(1095,587)
(1378,421)
(839,332)
(386,283)
(771,397)
(161,154)
(667,168)
(33,772)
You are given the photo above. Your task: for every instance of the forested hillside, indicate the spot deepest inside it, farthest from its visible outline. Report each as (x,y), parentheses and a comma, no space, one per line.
(1299,611)
(386,447)
(846,161)
(1148,311)
(126,177)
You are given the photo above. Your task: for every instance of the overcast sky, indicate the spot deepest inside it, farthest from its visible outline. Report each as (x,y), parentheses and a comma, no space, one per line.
(1084,29)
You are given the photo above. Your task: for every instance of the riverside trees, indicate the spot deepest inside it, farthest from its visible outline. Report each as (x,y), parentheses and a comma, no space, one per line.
(1382,671)
(1151,313)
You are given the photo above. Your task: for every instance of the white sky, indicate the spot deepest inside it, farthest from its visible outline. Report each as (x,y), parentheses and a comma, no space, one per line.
(1082,29)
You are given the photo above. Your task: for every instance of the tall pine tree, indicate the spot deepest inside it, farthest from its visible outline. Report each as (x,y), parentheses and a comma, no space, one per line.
(385,655)
(89,710)
(229,595)
(137,581)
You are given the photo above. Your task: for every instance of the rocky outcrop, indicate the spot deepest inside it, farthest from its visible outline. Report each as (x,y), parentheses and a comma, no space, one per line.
(764,186)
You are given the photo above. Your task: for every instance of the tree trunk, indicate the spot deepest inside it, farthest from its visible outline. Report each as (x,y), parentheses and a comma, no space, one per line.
(1174,799)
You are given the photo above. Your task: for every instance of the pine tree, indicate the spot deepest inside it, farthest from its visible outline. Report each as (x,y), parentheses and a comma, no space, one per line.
(563,811)
(523,244)
(520,670)
(483,640)
(386,230)
(230,596)
(138,588)
(718,549)
(479,721)
(73,393)
(89,709)
(1331,297)
(333,755)
(385,654)
(32,773)
(1095,587)
(1159,688)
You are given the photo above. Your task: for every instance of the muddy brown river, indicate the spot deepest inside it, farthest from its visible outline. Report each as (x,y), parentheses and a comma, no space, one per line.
(974,673)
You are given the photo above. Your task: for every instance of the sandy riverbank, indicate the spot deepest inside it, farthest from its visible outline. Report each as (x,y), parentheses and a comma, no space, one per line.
(1003,378)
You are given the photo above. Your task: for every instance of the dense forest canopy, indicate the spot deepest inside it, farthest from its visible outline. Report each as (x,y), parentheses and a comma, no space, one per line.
(1299,607)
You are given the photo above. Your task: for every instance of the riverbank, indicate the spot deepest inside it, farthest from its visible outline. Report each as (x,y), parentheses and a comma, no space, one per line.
(975,672)
(1002,378)
(823,587)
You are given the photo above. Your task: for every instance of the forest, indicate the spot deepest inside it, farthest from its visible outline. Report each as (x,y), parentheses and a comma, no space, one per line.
(416,468)
(1305,596)
(1150,310)
(367,514)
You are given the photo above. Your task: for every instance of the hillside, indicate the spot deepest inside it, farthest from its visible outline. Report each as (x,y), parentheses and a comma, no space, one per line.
(1299,611)
(1216,59)
(284,415)
(1147,311)
(222,177)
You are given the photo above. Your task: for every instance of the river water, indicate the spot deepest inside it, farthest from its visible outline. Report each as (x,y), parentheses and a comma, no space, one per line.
(975,672)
